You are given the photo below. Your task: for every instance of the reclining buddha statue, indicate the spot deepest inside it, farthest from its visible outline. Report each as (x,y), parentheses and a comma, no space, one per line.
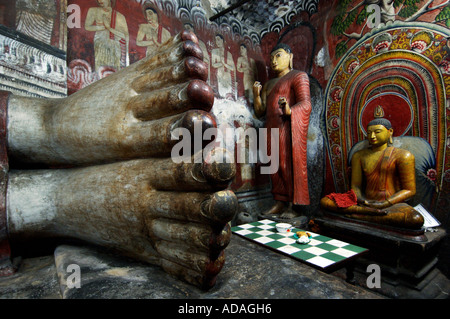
(102,171)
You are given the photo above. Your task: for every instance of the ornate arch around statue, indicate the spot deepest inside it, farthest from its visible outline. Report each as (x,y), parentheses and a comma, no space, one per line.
(403,67)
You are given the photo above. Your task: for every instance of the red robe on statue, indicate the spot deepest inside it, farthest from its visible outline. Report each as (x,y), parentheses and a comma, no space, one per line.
(290,182)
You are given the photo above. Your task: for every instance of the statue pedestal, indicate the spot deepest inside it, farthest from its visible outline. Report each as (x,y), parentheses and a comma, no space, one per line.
(407,259)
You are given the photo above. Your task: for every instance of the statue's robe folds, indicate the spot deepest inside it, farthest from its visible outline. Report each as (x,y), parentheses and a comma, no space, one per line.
(389,176)
(290,182)
(393,172)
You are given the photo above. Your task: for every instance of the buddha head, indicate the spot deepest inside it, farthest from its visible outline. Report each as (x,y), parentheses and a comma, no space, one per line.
(219,40)
(151,15)
(379,132)
(281,58)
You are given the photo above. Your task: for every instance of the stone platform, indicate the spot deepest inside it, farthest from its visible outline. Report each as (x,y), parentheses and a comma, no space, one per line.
(250,271)
(407,261)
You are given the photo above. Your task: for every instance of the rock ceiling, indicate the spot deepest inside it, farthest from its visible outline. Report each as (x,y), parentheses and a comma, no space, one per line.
(259,16)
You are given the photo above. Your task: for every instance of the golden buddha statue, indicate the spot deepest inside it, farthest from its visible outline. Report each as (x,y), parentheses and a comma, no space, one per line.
(382,180)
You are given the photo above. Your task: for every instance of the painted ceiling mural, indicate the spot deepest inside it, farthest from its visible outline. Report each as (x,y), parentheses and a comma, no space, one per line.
(244,26)
(393,54)
(256,18)
(90,59)
(33,47)
(38,19)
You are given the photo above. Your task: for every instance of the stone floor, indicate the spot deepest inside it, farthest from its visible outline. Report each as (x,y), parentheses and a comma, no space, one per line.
(250,271)
(35,279)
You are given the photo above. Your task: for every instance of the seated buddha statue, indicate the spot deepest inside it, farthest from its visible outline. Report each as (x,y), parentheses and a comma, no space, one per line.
(382,180)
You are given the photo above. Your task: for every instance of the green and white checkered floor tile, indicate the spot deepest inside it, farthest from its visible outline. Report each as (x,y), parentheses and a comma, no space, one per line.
(322,252)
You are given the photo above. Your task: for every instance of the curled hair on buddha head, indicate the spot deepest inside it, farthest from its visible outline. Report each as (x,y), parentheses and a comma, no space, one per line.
(288,50)
(381,121)
(283,46)
(385,122)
